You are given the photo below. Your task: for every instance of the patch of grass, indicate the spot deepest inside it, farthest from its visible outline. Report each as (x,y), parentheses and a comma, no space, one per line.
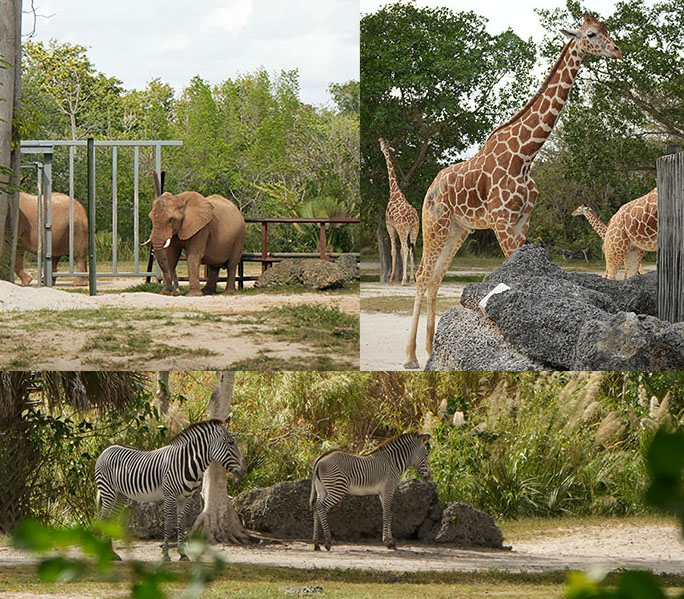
(400,304)
(527,528)
(114,342)
(265,361)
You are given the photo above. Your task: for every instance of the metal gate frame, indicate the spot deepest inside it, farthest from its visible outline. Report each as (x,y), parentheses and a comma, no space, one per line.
(46,148)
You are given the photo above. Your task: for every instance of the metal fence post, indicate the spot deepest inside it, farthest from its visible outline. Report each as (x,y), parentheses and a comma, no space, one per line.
(47,213)
(92,275)
(670,175)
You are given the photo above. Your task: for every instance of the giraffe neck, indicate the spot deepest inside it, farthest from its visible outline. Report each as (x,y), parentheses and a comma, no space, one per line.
(597,224)
(541,113)
(393,184)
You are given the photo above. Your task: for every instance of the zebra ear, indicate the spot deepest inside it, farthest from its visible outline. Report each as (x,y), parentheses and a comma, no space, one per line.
(226,423)
(424,438)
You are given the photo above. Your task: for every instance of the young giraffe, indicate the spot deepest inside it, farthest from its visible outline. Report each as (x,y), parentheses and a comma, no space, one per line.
(600,227)
(400,217)
(493,189)
(631,231)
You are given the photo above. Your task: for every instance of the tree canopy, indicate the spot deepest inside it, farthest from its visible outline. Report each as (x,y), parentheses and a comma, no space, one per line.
(434,95)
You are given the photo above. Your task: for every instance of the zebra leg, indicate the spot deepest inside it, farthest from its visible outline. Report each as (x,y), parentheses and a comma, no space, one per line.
(183,506)
(169,517)
(110,505)
(322,511)
(316,529)
(386,501)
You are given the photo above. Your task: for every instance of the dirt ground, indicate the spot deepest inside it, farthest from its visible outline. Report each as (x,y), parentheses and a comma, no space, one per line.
(51,328)
(657,548)
(386,316)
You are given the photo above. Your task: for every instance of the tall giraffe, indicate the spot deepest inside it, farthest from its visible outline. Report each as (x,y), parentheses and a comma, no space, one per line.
(600,227)
(400,217)
(631,231)
(494,189)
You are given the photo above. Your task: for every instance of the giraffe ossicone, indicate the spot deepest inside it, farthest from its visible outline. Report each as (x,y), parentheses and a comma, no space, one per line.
(400,218)
(494,189)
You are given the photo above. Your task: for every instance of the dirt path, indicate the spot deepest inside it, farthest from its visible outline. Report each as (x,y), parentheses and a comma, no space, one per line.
(48,328)
(652,547)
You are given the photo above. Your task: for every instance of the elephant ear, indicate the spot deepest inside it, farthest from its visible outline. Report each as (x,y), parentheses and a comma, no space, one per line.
(198,214)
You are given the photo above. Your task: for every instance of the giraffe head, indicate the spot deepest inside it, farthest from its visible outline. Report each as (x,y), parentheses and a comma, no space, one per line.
(592,38)
(581,210)
(384,145)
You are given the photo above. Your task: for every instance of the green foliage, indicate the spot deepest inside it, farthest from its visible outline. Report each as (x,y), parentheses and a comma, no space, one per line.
(249,139)
(96,544)
(665,458)
(433,96)
(346,96)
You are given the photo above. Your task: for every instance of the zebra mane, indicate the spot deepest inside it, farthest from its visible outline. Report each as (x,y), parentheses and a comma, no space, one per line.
(391,441)
(189,433)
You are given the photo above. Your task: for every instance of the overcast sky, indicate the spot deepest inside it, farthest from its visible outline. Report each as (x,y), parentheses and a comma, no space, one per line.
(502,14)
(137,40)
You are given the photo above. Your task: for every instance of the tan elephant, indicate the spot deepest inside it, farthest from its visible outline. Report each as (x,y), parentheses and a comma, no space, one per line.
(210,230)
(27,240)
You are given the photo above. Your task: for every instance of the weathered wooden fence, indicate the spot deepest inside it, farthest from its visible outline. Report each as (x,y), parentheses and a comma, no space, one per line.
(670,173)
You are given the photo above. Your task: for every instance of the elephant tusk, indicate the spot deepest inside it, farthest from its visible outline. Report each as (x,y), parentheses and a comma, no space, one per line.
(168,243)
(145,242)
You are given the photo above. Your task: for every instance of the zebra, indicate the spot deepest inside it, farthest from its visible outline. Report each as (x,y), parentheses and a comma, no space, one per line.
(172,473)
(338,473)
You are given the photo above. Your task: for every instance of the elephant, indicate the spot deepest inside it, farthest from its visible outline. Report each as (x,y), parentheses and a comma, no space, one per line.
(27,239)
(211,230)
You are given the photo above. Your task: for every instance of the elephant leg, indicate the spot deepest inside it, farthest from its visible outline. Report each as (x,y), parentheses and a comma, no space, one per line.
(231,269)
(55,263)
(80,267)
(169,268)
(19,267)
(212,278)
(193,273)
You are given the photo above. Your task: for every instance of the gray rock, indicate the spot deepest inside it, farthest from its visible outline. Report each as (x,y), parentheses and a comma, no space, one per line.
(349,267)
(465,526)
(466,340)
(316,274)
(628,341)
(557,320)
(283,511)
(146,520)
(543,316)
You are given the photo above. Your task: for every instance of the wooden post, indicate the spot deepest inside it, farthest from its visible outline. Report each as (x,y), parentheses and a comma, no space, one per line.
(670,176)
(322,242)
(264,246)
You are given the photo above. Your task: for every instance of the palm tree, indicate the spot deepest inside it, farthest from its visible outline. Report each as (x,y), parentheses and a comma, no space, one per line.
(20,435)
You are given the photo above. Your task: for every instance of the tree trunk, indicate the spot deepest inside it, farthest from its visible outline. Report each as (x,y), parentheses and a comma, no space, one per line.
(10,90)
(162,395)
(218,521)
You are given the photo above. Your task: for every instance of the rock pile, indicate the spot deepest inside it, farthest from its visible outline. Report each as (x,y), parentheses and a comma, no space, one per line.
(312,273)
(550,319)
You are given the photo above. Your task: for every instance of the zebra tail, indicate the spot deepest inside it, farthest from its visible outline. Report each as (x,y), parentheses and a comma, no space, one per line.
(312,497)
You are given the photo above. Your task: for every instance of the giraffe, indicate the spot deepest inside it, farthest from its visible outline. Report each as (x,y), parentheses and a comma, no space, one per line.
(600,227)
(596,223)
(631,231)
(494,189)
(400,217)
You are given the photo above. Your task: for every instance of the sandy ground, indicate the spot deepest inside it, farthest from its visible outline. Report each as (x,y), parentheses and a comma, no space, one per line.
(384,334)
(657,548)
(203,332)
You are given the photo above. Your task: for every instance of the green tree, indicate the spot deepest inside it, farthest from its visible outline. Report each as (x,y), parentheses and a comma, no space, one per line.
(434,95)
(622,115)
(85,99)
(346,96)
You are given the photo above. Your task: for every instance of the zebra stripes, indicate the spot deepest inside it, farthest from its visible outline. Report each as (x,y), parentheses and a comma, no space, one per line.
(172,473)
(339,473)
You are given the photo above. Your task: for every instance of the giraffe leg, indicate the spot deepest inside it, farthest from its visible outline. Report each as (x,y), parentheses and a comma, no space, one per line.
(404,256)
(614,251)
(457,236)
(633,261)
(640,267)
(391,230)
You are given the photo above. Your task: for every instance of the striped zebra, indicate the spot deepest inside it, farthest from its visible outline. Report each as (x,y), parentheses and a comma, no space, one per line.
(172,473)
(339,473)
